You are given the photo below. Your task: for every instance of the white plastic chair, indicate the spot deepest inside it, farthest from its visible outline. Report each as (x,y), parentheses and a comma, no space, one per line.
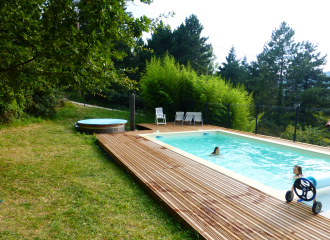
(198,117)
(188,118)
(179,116)
(160,115)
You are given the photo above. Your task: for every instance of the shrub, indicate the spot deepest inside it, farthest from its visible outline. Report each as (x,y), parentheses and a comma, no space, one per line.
(18,100)
(308,134)
(9,112)
(43,103)
(165,83)
(12,104)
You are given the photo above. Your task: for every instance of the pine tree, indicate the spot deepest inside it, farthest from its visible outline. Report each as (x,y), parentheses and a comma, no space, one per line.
(161,40)
(190,47)
(234,69)
(305,73)
(275,60)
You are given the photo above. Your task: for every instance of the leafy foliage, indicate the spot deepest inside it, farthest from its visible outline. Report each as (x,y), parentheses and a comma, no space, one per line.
(315,134)
(308,134)
(56,44)
(175,87)
(44,103)
(285,69)
(134,61)
(166,83)
(185,44)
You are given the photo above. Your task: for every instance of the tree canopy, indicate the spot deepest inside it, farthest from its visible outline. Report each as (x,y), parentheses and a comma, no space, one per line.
(190,46)
(234,69)
(56,44)
(284,72)
(185,44)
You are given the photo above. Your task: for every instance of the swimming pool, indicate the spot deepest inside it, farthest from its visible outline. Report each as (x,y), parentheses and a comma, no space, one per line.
(262,161)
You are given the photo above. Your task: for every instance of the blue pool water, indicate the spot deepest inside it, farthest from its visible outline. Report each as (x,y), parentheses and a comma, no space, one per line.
(264,162)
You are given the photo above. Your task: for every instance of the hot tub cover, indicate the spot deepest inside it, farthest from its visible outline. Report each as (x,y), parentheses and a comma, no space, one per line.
(102,121)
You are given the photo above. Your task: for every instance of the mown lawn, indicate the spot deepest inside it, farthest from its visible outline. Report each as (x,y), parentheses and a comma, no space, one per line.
(57,184)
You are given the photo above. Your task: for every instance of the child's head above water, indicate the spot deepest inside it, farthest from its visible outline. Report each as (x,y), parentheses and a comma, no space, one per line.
(297,170)
(216,151)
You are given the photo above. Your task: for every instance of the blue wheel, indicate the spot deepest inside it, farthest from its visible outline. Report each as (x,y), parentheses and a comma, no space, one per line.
(304,189)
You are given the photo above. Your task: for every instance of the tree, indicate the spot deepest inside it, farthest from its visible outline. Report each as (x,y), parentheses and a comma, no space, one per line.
(234,69)
(274,61)
(161,40)
(135,59)
(285,69)
(315,97)
(184,43)
(190,47)
(305,73)
(43,47)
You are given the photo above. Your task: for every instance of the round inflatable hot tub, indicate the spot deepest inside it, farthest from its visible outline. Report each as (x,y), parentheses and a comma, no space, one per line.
(105,125)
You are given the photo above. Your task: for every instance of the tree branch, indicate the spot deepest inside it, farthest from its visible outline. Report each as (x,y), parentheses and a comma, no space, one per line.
(44,73)
(16,66)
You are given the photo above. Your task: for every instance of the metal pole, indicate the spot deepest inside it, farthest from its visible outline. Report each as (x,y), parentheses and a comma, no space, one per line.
(78,27)
(256,130)
(228,115)
(295,125)
(206,113)
(132,112)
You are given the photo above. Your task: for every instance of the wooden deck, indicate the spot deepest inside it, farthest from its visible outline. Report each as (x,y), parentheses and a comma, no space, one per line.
(216,205)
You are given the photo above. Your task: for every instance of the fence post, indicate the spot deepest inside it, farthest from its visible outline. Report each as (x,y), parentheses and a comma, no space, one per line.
(132,112)
(295,125)
(228,115)
(206,113)
(256,130)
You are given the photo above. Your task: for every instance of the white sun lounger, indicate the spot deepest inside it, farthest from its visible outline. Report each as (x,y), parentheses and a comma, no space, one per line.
(198,118)
(179,116)
(188,118)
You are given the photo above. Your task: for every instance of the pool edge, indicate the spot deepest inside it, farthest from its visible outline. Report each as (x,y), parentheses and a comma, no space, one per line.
(250,182)
(280,195)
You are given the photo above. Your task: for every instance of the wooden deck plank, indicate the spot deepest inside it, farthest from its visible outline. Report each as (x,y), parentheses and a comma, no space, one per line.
(216,205)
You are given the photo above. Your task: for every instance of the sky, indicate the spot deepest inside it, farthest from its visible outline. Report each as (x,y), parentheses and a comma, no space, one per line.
(246,24)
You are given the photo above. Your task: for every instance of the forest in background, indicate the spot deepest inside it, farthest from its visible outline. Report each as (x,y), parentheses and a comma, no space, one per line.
(74,48)
(286,73)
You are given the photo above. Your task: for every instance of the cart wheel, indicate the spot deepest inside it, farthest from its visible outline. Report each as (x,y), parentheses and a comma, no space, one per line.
(317,206)
(304,189)
(288,196)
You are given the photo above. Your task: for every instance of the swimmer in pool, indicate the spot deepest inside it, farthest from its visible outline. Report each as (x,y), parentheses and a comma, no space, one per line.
(297,171)
(216,151)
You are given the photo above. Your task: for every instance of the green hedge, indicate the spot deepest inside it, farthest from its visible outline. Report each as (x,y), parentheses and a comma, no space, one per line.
(165,83)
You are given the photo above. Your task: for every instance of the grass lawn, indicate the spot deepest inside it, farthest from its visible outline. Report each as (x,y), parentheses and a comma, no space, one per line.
(57,184)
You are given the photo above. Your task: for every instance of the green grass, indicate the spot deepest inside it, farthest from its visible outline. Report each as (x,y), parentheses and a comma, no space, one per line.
(57,184)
